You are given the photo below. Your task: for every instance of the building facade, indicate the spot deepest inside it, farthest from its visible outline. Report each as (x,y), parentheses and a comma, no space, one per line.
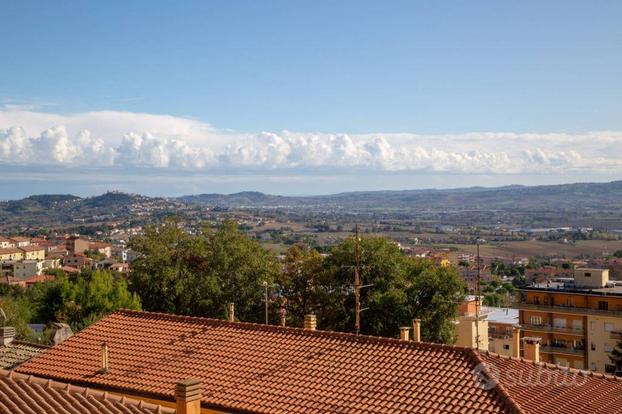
(578,320)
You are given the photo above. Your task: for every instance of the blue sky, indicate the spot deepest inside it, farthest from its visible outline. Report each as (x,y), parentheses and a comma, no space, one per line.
(240,68)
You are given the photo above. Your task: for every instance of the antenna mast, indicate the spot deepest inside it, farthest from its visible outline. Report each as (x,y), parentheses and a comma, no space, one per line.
(477,300)
(357,282)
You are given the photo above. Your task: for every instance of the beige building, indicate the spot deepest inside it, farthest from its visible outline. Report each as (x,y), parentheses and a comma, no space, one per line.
(577,319)
(6,243)
(471,330)
(11,253)
(19,241)
(497,328)
(33,252)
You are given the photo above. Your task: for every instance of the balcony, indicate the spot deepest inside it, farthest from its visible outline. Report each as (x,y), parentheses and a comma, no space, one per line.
(550,349)
(568,309)
(549,328)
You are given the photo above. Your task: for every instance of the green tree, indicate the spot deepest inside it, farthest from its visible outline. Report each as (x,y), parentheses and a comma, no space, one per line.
(400,289)
(303,283)
(616,358)
(618,253)
(383,268)
(84,298)
(434,294)
(200,274)
(19,313)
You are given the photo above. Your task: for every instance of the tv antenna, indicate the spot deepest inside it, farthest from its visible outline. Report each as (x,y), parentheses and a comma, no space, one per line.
(357,282)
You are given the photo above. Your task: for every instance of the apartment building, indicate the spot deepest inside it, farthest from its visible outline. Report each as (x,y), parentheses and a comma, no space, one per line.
(5,243)
(578,319)
(11,253)
(33,252)
(497,328)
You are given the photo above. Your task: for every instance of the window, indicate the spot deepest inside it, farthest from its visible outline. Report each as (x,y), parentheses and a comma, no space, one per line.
(587,274)
(603,305)
(593,367)
(593,347)
(592,325)
(608,348)
(608,327)
(506,347)
(559,322)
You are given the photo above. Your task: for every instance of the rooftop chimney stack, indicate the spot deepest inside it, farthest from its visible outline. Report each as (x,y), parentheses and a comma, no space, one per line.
(283,316)
(188,396)
(404,333)
(7,335)
(104,358)
(310,322)
(516,341)
(532,348)
(232,312)
(417,330)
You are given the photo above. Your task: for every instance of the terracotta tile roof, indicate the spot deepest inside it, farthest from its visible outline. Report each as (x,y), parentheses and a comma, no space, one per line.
(545,388)
(31,280)
(269,369)
(10,250)
(31,248)
(17,352)
(22,394)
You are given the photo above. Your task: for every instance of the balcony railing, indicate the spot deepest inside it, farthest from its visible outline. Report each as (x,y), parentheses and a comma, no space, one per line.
(550,328)
(562,350)
(568,309)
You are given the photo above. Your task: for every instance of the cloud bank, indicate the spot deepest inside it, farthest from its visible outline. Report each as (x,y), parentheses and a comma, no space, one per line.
(123,139)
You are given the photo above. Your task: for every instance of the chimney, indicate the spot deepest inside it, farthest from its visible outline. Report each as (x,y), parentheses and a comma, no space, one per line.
(417,330)
(404,333)
(104,368)
(188,396)
(7,335)
(310,322)
(283,316)
(531,349)
(515,341)
(232,312)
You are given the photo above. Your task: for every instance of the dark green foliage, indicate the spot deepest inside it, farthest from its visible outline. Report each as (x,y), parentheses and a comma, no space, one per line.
(616,358)
(79,300)
(200,274)
(402,289)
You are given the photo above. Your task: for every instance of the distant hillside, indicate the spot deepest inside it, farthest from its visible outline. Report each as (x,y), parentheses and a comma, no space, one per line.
(583,204)
(38,203)
(550,197)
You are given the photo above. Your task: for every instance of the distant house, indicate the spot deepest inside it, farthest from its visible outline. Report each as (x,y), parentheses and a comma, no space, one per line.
(6,243)
(101,248)
(77,260)
(27,268)
(74,244)
(19,241)
(11,253)
(120,267)
(33,252)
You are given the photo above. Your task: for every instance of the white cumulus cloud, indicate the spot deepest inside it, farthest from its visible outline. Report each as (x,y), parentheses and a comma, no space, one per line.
(124,139)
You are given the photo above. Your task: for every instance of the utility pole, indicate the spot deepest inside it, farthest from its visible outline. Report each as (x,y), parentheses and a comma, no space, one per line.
(357,282)
(478,299)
